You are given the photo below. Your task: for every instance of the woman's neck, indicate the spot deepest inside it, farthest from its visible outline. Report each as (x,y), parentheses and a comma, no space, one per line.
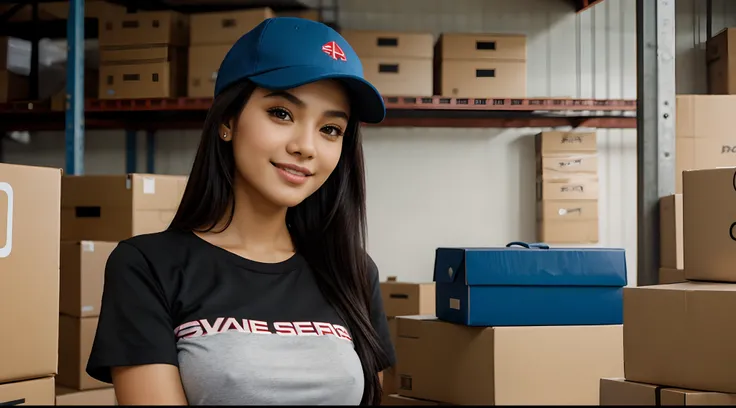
(258,229)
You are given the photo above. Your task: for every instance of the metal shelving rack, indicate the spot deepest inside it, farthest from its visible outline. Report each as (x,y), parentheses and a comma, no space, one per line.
(652,114)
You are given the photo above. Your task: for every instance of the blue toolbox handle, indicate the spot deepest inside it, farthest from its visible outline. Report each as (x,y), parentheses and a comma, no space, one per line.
(537,245)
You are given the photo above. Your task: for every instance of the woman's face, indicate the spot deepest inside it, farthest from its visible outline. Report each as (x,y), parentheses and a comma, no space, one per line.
(287,143)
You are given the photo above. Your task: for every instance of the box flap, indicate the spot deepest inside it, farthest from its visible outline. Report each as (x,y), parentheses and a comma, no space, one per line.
(535,264)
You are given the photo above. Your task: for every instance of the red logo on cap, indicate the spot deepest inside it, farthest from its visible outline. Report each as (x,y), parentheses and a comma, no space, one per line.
(334,51)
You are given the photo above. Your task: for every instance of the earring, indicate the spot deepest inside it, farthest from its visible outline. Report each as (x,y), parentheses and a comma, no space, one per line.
(224,136)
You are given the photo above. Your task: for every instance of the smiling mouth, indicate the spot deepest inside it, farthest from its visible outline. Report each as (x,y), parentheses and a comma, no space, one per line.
(295,170)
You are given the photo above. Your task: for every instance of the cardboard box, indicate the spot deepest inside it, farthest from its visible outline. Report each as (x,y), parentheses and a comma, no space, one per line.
(394,76)
(82,276)
(567,221)
(101,397)
(29,261)
(471,46)
(618,391)
(555,143)
(670,232)
(76,336)
(709,224)
(144,28)
(720,62)
(390,44)
(669,275)
(705,139)
(549,167)
(204,63)
(32,392)
(544,365)
(142,72)
(59,10)
(224,28)
(679,335)
(568,188)
(396,63)
(480,65)
(117,207)
(407,298)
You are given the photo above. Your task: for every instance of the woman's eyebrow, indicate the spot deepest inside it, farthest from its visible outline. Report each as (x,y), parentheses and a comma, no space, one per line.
(298,102)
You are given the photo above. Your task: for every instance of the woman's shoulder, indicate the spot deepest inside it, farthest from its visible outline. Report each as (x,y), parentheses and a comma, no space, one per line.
(154,247)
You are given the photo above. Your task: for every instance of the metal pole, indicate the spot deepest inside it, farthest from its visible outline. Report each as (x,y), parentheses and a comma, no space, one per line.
(655,126)
(74,129)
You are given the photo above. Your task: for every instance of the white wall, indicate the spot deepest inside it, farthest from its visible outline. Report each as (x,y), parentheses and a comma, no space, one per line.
(472,187)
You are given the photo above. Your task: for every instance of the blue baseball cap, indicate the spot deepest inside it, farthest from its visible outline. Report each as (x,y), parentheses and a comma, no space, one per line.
(286,52)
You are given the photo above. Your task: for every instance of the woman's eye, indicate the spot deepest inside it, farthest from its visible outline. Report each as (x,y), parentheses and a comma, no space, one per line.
(332,131)
(280,114)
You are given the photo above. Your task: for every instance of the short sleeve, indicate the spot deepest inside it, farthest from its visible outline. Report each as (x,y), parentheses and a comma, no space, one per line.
(135,325)
(378,317)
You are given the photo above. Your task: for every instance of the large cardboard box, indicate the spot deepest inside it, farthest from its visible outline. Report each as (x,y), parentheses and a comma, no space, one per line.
(101,397)
(397,63)
(224,28)
(704,139)
(543,365)
(618,391)
(31,392)
(117,207)
(680,335)
(144,28)
(76,336)
(709,224)
(29,271)
(480,65)
(82,276)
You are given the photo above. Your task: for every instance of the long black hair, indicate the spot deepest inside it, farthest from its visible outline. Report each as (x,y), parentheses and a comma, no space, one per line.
(327,228)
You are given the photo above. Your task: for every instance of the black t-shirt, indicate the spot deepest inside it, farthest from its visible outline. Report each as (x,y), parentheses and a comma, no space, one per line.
(240,332)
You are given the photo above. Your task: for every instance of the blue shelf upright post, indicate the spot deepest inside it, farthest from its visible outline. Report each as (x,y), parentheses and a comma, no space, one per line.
(150,151)
(74,121)
(131,151)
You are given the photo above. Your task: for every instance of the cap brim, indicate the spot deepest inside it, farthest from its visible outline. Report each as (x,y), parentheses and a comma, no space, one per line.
(366,98)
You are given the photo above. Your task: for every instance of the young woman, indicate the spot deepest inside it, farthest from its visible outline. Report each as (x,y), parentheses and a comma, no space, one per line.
(261,291)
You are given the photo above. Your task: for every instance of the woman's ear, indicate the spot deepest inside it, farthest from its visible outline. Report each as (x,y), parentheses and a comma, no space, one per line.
(226,132)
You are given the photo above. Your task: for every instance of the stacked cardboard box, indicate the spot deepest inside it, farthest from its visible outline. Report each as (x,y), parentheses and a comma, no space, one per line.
(29,283)
(96,213)
(680,335)
(402,299)
(567,187)
(480,65)
(210,38)
(143,55)
(515,326)
(395,63)
(704,133)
